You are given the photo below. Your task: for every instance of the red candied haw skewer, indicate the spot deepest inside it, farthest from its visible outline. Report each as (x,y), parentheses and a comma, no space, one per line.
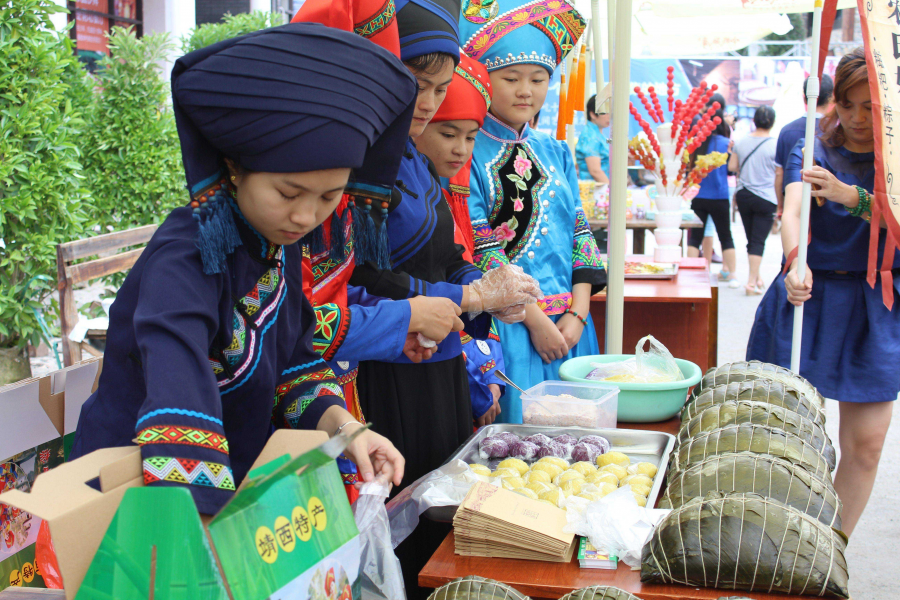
(658,115)
(645,102)
(670,86)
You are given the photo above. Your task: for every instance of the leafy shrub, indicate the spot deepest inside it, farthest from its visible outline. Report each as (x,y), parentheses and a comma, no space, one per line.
(42,191)
(231,26)
(131,154)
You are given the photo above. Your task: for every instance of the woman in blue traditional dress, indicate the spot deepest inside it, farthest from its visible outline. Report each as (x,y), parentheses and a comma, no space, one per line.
(851,341)
(210,337)
(524,203)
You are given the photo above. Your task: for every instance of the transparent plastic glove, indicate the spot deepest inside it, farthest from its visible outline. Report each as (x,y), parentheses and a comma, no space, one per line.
(502,289)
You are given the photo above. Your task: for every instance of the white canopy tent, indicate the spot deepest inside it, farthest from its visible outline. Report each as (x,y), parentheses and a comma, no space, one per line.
(664,27)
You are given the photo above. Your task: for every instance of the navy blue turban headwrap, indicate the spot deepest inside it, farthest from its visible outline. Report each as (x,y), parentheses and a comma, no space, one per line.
(427,26)
(301,97)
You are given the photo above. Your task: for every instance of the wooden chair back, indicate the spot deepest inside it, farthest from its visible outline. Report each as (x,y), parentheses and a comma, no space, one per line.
(69,275)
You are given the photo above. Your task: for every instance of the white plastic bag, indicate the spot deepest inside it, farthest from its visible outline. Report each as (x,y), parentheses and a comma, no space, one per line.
(379,568)
(656,365)
(614,524)
(446,486)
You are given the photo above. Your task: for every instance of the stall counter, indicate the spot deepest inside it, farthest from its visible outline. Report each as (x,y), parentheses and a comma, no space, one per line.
(545,580)
(682,313)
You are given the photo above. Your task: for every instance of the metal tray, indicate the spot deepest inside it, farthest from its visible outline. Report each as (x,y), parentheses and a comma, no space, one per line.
(640,446)
(671,270)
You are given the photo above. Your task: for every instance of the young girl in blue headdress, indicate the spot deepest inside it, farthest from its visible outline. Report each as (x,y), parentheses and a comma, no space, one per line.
(210,339)
(524,203)
(851,340)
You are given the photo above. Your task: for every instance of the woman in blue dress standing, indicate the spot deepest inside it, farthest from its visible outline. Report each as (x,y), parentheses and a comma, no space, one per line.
(851,341)
(524,199)
(712,200)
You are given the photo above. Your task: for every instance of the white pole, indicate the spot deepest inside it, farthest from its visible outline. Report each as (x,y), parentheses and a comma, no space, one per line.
(621,80)
(587,67)
(812,95)
(597,41)
(610,37)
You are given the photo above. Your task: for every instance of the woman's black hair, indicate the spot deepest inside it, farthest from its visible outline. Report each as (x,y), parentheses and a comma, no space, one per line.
(764,117)
(721,129)
(430,63)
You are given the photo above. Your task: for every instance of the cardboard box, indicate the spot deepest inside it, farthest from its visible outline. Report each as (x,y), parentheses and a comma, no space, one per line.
(36,423)
(287,533)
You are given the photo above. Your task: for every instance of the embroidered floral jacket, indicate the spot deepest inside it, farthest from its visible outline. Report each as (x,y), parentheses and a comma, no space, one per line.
(526,210)
(199,369)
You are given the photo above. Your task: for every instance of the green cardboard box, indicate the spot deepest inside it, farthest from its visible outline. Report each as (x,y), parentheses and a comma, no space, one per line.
(288,532)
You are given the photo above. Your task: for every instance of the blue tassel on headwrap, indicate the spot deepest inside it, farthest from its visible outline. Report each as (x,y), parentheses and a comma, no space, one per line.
(337,238)
(384,242)
(315,239)
(218,235)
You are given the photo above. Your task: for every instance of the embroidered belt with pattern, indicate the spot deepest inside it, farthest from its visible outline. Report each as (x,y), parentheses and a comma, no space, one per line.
(488,366)
(188,471)
(555,305)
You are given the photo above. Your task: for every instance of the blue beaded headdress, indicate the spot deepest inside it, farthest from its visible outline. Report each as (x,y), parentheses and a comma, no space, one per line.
(296,98)
(502,33)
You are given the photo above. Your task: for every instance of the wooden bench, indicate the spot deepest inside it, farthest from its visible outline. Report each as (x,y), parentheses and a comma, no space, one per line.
(69,275)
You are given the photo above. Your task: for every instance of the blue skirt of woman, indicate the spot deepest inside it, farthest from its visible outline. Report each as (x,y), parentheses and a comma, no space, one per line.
(851,341)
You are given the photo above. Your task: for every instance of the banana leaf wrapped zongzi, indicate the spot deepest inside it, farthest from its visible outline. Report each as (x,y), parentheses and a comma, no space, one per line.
(758,439)
(473,587)
(599,592)
(754,369)
(757,473)
(747,542)
(758,390)
(736,412)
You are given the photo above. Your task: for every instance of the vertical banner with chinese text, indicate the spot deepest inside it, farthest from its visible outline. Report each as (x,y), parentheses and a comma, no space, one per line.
(880,21)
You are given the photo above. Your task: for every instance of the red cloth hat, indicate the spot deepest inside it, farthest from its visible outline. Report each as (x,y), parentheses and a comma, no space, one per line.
(468,97)
(372,19)
(469,94)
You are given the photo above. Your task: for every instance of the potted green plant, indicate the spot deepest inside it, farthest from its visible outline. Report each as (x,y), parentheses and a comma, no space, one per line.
(41,186)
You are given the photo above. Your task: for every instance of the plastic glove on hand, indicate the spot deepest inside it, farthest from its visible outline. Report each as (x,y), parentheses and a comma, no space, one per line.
(502,288)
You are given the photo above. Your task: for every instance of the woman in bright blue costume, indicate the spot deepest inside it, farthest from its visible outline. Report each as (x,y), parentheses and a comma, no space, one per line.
(524,203)
(851,337)
(210,344)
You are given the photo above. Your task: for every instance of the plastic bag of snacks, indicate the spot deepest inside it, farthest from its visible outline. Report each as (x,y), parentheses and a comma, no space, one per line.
(656,365)
(379,568)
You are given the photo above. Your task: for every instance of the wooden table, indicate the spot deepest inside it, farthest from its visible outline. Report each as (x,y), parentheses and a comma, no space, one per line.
(554,580)
(640,226)
(682,313)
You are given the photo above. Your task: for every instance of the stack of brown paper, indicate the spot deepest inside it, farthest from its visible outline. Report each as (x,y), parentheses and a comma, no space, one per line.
(497,523)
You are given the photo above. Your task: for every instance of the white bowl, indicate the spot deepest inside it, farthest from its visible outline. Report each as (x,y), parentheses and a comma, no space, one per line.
(667,254)
(668,203)
(667,237)
(668,220)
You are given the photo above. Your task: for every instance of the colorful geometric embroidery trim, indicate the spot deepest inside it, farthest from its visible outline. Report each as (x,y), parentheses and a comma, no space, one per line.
(170,434)
(348,376)
(502,25)
(285,388)
(332,323)
(585,254)
(462,190)
(188,471)
(476,84)
(555,305)
(493,334)
(561,30)
(295,409)
(487,253)
(464,337)
(270,286)
(382,19)
(488,366)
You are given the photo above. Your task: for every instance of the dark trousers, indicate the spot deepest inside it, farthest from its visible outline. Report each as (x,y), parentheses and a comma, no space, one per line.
(718,211)
(757,215)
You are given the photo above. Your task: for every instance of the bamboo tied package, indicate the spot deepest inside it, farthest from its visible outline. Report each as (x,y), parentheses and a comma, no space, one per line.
(747,542)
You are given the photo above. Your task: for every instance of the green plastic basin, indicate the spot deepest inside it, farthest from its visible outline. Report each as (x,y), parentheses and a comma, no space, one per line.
(639,402)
